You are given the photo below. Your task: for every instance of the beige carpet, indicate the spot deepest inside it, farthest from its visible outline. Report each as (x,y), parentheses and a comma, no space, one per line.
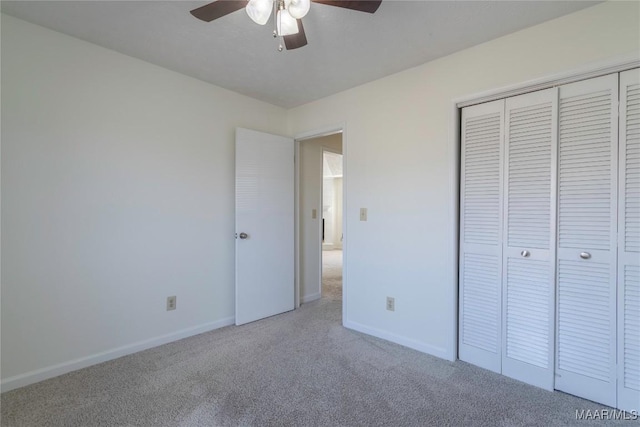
(301,368)
(332,275)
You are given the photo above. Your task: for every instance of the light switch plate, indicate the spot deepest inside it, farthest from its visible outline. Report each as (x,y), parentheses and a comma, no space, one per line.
(314,213)
(391,304)
(363,214)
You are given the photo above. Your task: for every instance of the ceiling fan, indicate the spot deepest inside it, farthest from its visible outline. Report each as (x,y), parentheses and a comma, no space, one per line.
(288,14)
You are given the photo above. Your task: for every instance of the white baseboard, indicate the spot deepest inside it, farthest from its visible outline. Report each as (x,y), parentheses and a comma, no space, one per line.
(398,339)
(83,362)
(312,297)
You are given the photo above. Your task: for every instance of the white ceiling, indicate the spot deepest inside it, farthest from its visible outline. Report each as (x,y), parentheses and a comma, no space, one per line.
(346,48)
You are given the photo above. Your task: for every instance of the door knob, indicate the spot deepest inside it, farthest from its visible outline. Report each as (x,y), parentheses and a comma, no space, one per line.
(525,253)
(585,255)
(243,236)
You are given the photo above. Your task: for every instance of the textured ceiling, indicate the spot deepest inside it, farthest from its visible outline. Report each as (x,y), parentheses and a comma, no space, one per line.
(346,48)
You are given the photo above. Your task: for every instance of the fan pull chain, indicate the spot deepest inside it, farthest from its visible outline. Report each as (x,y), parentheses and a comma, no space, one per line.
(280,47)
(276,7)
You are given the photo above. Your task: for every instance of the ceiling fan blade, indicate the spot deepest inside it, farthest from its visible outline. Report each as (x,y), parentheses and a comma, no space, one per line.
(297,40)
(369,6)
(217,9)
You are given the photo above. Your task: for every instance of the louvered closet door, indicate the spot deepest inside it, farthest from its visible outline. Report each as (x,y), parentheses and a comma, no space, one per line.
(629,243)
(586,306)
(481,234)
(529,238)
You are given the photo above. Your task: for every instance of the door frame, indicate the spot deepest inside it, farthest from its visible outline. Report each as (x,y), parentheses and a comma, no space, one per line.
(298,138)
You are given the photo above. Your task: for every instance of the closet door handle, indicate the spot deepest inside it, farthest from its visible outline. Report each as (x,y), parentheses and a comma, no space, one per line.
(525,253)
(585,255)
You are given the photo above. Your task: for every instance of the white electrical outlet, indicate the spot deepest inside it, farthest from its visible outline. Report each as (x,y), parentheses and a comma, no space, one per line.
(363,214)
(171,303)
(391,304)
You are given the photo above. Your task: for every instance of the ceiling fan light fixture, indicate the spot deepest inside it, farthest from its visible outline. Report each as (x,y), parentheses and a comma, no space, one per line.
(259,10)
(298,9)
(287,15)
(286,24)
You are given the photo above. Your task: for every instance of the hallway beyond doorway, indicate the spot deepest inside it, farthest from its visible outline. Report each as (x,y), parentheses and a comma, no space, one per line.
(332,274)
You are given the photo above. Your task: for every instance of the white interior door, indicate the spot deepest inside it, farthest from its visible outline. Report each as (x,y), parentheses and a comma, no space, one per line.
(481,235)
(264,225)
(629,244)
(528,300)
(587,228)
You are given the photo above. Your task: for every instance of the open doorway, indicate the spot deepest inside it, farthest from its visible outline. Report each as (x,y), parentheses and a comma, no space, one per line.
(331,224)
(320,222)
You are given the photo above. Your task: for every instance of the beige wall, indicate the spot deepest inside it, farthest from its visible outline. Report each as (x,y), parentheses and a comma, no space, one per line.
(117,191)
(400,165)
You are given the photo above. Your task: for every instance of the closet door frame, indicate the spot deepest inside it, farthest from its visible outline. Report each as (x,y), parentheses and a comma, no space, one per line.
(595,69)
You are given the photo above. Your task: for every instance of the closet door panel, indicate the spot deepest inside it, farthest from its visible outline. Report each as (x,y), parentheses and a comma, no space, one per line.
(529,244)
(481,234)
(587,228)
(629,243)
